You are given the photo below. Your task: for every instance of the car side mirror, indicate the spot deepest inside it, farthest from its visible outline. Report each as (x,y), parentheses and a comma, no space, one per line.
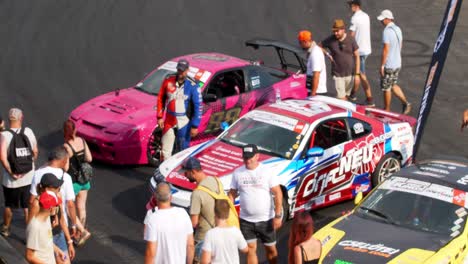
(209,98)
(224,125)
(358,198)
(315,152)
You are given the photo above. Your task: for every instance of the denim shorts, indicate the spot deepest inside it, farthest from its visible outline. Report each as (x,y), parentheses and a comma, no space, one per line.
(362,64)
(61,242)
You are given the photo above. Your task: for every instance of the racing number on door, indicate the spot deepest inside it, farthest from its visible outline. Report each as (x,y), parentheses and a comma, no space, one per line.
(216,119)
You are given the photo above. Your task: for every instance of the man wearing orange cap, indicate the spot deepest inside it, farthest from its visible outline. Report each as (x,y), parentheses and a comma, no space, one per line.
(316,73)
(345,58)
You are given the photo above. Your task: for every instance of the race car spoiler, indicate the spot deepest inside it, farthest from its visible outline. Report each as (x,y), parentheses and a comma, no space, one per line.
(389,117)
(280,48)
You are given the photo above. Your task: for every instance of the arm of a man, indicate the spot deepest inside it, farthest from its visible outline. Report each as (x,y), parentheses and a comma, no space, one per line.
(190,248)
(383,60)
(31,257)
(150,252)
(197,110)
(71,210)
(357,60)
(195,208)
(64,227)
(278,199)
(4,155)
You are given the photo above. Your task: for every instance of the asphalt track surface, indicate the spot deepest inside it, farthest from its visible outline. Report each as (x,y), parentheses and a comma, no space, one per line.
(55,55)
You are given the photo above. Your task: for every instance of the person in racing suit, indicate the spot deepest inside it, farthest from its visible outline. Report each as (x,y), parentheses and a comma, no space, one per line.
(178,110)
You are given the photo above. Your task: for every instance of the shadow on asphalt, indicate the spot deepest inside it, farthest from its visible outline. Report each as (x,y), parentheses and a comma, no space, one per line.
(134,208)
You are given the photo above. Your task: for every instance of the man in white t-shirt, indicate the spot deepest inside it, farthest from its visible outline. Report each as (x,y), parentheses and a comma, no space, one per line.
(261,199)
(222,243)
(57,165)
(360,30)
(15,185)
(316,81)
(168,231)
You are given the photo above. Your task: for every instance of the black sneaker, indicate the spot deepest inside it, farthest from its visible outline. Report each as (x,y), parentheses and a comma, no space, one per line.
(352,98)
(370,103)
(5,231)
(406,108)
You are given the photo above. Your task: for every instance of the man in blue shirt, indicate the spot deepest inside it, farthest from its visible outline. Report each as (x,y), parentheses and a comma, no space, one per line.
(391,61)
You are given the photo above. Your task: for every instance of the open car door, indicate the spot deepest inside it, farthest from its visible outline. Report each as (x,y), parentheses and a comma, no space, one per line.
(281,48)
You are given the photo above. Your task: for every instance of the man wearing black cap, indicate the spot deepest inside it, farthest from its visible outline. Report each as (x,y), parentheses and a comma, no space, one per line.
(260,217)
(201,203)
(178,110)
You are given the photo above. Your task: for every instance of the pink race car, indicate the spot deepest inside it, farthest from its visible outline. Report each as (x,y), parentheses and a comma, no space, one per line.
(120,127)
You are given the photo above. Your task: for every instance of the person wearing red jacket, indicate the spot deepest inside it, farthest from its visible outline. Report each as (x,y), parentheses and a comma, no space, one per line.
(178,110)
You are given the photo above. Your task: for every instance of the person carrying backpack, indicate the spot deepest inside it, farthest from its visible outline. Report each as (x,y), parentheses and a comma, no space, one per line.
(202,204)
(18,151)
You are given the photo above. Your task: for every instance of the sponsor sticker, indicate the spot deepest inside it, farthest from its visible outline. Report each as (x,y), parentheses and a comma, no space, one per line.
(458,221)
(371,249)
(325,240)
(456,233)
(274,119)
(335,196)
(461,212)
(459,197)
(358,128)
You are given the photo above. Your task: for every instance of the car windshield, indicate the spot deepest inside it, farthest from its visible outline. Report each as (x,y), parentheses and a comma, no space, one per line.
(152,83)
(417,205)
(273,134)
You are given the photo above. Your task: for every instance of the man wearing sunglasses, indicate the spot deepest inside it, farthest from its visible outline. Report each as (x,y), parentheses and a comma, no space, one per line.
(344,56)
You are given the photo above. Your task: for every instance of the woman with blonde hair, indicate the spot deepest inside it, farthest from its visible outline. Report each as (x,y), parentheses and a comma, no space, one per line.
(303,248)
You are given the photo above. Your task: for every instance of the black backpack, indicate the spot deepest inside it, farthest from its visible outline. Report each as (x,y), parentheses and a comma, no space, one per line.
(20,154)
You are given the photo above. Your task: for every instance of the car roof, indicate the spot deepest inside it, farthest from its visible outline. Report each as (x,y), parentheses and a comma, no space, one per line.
(212,61)
(447,172)
(310,109)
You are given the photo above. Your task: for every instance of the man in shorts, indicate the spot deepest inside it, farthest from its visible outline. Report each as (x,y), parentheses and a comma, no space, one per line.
(344,56)
(15,185)
(201,203)
(260,217)
(391,62)
(360,30)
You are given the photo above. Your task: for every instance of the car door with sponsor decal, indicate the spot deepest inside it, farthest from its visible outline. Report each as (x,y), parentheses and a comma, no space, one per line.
(332,176)
(232,93)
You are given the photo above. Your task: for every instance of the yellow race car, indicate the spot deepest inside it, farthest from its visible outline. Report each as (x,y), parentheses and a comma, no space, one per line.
(417,215)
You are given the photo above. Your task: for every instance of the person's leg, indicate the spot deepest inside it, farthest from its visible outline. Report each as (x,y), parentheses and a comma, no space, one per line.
(252,253)
(386,84)
(24,201)
(349,84)
(61,243)
(7,216)
(182,138)
(81,206)
(399,93)
(10,198)
(248,231)
(340,88)
(267,235)
(167,143)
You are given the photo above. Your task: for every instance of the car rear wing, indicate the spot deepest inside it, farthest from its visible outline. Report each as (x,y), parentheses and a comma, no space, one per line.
(389,117)
(281,48)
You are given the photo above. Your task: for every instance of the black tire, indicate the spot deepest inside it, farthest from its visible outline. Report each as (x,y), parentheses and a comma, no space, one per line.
(153,149)
(388,165)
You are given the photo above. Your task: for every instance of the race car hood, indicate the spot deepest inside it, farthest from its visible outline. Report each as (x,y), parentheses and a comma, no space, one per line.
(115,111)
(217,159)
(367,241)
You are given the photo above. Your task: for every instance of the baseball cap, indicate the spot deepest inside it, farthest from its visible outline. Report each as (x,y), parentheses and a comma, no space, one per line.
(385,14)
(248,151)
(15,114)
(50,180)
(191,163)
(338,24)
(48,200)
(354,2)
(182,65)
(304,35)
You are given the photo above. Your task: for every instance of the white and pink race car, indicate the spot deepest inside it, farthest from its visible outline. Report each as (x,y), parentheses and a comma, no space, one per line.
(323,150)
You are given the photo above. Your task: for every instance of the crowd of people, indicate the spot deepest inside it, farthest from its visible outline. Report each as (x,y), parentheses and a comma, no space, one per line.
(52,197)
(347,52)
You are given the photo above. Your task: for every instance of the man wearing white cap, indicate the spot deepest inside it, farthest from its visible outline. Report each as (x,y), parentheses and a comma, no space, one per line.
(18,150)
(391,61)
